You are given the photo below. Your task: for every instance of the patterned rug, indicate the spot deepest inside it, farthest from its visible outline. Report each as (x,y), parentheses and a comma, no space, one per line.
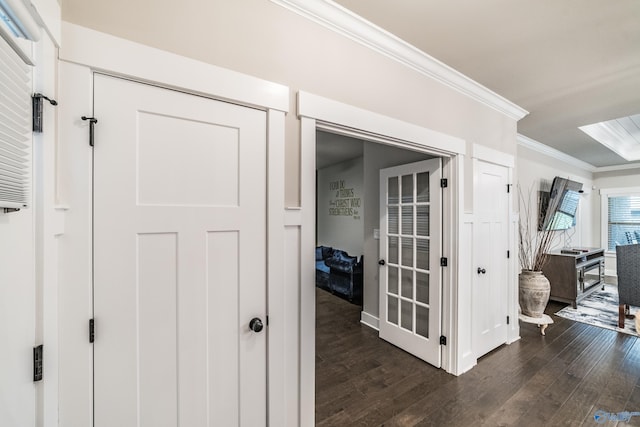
(601,309)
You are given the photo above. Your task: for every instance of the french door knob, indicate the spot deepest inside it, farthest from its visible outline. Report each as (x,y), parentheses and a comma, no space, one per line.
(481,270)
(256,325)
(381,262)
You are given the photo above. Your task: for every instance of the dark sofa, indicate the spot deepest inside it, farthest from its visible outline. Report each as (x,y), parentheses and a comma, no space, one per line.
(339,273)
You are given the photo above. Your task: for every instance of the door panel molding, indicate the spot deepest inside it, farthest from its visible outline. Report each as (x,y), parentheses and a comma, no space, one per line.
(176,281)
(491,327)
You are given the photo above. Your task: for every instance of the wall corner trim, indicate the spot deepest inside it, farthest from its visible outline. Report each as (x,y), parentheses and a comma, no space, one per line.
(342,21)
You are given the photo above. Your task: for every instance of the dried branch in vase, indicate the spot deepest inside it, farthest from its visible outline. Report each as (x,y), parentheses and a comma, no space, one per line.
(535,242)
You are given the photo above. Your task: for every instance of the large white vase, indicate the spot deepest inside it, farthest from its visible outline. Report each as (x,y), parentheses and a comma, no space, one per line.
(534,290)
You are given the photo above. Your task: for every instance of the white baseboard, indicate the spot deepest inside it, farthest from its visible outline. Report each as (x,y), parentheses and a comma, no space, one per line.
(369,320)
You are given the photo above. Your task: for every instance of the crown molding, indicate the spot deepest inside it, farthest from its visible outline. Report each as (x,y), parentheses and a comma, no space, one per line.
(618,167)
(534,145)
(344,22)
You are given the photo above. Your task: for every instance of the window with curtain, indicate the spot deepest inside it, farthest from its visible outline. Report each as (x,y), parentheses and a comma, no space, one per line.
(623,223)
(17,30)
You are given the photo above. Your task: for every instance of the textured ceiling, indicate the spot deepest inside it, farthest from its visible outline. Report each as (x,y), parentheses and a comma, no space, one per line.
(568,62)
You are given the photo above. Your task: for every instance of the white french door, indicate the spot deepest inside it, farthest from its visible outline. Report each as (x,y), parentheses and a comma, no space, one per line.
(490,254)
(410,248)
(179,259)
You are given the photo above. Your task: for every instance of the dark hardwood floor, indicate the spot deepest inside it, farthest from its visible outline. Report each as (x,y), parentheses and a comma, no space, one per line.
(559,379)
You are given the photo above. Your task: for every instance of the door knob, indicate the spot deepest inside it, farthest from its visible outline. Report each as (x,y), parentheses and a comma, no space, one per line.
(381,262)
(256,325)
(481,270)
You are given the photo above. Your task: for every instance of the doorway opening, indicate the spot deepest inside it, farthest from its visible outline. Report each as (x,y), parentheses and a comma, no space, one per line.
(352,361)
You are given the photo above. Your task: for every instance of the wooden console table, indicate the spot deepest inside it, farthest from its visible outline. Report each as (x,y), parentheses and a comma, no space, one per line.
(574,275)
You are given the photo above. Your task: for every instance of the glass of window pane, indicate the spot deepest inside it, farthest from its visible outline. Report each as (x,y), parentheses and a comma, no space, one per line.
(422,220)
(392,284)
(392,310)
(406,317)
(407,283)
(393,191)
(422,254)
(422,187)
(407,220)
(393,249)
(422,321)
(407,252)
(422,287)
(393,220)
(407,189)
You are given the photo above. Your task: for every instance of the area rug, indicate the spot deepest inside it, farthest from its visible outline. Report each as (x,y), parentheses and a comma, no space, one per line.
(601,309)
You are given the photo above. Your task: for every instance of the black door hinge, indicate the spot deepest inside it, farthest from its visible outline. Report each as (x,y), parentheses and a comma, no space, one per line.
(92,331)
(507,320)
(37,363)
(92,122)
(443,340)
(509,188)
(508,254)
(36,110)
(443,262)
(444,183)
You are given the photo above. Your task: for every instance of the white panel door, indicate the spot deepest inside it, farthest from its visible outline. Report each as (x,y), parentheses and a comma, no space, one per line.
(490,254)
(179,259)
(410,250)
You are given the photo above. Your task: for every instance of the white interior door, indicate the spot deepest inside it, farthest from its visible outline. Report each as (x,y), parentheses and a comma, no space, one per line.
(179,259)
(490,254)
(410,248)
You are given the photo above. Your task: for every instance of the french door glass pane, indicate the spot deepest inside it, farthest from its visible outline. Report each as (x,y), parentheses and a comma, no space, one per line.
(406,316)
(422,254)
(407,252)
(422,287)
(407,220)
(393,249)
(407,189)
(392,310)
(393,280)
(422,321)
(422,187)
(407,283)
(393,220)
(422,220)
(393,190)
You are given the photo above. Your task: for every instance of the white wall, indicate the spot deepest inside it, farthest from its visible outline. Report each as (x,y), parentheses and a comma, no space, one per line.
(340,206)
(534,169)
(260,38)
(17,318)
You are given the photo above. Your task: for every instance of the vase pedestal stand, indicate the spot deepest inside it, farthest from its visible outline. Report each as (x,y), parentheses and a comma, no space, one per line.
(542,322)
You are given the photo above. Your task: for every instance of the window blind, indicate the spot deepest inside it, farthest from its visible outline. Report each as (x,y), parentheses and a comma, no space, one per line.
(15,129)
(624,221)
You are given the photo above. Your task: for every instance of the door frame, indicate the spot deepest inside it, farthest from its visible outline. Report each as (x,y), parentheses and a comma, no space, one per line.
(84,53)
(319,113)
